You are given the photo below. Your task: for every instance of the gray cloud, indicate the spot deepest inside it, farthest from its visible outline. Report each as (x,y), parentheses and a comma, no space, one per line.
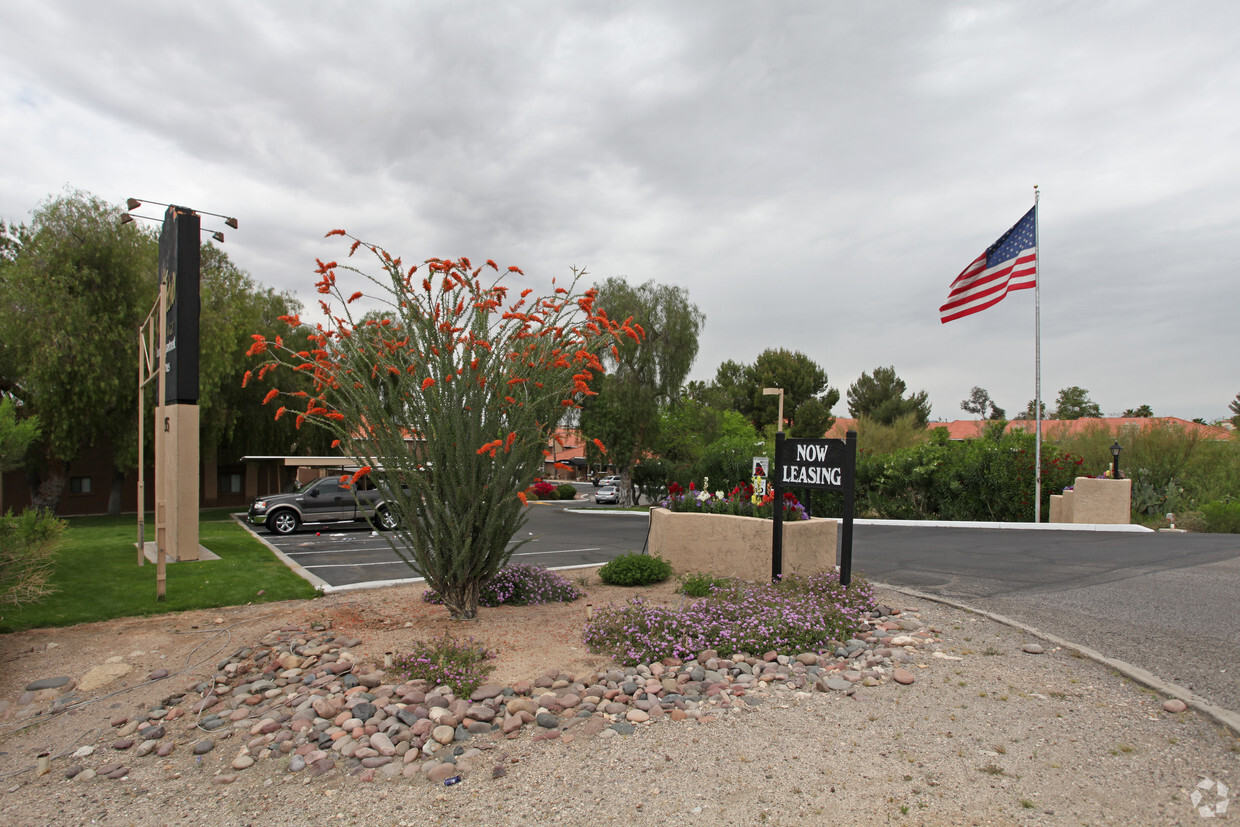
(814,174)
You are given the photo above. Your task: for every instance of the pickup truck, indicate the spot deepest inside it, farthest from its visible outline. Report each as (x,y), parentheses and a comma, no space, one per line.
(324,500)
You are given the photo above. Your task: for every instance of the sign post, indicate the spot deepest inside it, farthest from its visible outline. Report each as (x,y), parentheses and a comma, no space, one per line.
(829,464)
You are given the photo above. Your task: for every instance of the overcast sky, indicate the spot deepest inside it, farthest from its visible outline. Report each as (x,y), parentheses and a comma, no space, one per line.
(815,174)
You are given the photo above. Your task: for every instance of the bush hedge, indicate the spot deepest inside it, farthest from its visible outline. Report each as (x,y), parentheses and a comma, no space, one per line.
(635,569)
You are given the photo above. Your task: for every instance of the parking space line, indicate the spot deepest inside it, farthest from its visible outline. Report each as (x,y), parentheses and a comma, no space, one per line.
(558,551)
(337,550)
(351,565)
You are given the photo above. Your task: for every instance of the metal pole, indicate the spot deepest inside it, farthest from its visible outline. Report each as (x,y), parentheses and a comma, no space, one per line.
(1037,381)
(141,475)
(850,493)
(777,521)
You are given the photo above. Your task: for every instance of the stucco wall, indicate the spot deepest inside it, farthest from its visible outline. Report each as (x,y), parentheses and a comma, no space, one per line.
(740,547)
(1094,501)
(1101,502)
(1057,501)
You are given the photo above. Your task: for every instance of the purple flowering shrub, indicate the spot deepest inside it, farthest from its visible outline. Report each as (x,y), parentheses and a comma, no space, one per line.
(521,584)
(799,614)
(461,664)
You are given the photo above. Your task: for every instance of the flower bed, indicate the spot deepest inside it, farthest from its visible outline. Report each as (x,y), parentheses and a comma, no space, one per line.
(740,547)
(741,501)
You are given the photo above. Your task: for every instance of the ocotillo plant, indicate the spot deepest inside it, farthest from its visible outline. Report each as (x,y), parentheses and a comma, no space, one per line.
(446,395)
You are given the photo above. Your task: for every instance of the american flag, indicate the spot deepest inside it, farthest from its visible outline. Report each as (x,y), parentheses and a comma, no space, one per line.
(1011,263)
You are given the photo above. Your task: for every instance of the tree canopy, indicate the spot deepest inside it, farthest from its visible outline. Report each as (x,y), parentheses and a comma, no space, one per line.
(738,387)
(880,396)
(1073,402)
(1029,411)
(642,376)
(74,287)
(981,405)
(70,302)
(1139,412)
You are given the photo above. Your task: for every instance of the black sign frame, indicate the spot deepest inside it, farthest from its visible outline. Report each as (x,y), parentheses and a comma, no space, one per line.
(179,268)
(829,464)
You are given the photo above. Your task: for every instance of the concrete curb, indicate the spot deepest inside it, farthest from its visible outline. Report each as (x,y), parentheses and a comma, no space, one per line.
(327,588)
(1225,717)
(1132,529)
(317,582)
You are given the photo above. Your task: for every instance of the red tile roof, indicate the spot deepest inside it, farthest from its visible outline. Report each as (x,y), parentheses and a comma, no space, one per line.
(1055,428)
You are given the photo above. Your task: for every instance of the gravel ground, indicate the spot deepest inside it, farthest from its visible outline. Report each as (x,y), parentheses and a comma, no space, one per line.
(999,736)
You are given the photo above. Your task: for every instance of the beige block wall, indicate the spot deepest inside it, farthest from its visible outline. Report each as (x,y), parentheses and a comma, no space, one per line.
(176,481)
(740,547)
(1057,508)
(1101,502)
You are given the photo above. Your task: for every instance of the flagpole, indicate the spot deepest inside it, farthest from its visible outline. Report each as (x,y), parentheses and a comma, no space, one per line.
(1037,361)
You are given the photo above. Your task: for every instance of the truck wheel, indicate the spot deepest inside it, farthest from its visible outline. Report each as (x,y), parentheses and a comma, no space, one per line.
(385,520)
(283,522)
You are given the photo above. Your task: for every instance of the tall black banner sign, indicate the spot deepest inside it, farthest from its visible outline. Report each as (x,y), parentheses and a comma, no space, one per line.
(821,464)
(179,269)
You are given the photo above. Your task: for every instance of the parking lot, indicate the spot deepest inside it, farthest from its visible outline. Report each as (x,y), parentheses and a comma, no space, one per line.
(353,555)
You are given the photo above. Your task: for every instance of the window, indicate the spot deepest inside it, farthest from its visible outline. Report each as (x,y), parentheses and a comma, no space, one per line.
(230,483)
(79,485)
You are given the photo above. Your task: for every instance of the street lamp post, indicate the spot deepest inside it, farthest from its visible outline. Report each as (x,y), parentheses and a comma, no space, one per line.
(779,423)
(1115,449)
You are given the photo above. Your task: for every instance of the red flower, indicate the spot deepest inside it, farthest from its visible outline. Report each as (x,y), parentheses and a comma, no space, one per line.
(427,382)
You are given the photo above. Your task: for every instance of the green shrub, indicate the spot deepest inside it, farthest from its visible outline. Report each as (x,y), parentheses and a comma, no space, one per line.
(635,569)
(1222,517)
(461,664)
(1166,458)
(988,478)
(1193,521)
(28,542)
(567,491)
(701,584)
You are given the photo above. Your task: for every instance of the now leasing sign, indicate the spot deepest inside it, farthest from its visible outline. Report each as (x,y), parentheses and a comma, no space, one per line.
(814,463)
(829,464)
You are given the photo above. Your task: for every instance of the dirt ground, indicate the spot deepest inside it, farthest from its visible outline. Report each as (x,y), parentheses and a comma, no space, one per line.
(987,734)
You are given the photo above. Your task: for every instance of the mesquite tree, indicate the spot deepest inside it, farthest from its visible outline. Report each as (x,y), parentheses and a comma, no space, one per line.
(445,396)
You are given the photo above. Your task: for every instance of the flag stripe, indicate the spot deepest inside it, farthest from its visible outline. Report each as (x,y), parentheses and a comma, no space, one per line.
(1011,263)
(1001,279)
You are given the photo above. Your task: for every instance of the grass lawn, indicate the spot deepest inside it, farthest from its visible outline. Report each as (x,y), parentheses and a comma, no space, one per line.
(97,576)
